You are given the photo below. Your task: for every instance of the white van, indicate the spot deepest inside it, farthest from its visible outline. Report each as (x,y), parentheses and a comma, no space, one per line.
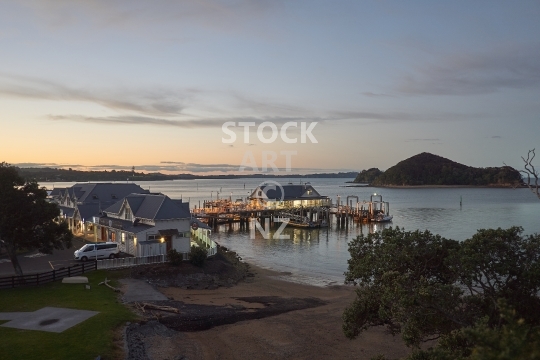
(104,250)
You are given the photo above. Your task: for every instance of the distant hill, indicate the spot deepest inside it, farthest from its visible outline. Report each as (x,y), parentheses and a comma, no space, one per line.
(70,175)
(429,169)
(367,176)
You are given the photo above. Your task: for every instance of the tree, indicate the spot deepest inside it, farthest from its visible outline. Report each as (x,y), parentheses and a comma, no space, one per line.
(513,339)
(531,171)
(403,284)
(425,287)
(367,176)
(27,219)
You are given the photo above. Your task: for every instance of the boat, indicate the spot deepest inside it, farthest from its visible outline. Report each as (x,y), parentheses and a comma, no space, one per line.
(303,222)
(382,218)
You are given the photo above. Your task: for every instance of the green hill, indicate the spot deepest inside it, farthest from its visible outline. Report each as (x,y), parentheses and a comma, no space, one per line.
(367,176)
(429,169)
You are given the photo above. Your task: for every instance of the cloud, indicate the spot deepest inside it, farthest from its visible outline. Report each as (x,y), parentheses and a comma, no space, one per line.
(496,137)
(505,67)
(370,94)
(43,165)
(414,140)
(176,107)
(157,102)
(404,116)
(193,123)
(173,162)
(218,122)
(223,15)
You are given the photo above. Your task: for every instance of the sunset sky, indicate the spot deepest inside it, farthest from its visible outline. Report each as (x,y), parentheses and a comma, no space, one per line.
(115,84)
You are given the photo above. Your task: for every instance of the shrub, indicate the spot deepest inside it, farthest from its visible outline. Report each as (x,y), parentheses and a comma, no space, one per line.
(174,257)
(198,256)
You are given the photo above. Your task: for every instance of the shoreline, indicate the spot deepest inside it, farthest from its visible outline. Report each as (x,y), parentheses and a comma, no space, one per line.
(440,186)
(307,333)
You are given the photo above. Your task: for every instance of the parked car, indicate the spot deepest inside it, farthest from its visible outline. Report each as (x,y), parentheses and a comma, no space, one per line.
(97,251)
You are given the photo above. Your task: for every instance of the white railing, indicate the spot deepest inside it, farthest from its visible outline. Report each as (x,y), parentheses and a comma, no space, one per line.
(213,250)
(134,261)
(209,245)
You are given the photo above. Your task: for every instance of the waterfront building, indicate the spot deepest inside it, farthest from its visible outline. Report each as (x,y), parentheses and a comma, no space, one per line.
(272,196)
(80,202)
(145,224)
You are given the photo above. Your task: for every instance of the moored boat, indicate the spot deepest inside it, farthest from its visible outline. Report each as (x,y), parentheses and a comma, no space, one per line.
(382,218)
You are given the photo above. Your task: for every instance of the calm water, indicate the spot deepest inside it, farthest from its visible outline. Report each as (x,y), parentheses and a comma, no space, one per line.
(320,255)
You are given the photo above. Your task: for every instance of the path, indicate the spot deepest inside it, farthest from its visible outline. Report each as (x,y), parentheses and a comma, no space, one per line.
(139,290)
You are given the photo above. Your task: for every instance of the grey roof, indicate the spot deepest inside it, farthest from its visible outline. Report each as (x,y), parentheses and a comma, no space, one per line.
(104,193)
(182,204)
(151,206)
(292,192)
(115,208)
(57,192)
(201,224)
(87,211)
(128,226)
(67,210)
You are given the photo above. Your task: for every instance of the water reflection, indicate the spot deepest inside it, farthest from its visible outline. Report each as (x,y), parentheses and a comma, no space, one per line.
(308,252)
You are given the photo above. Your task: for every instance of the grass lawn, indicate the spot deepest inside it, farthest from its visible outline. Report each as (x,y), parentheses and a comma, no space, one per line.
(93,337)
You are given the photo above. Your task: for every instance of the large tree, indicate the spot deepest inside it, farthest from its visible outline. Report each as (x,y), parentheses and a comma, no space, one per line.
(424,287)
(27,219)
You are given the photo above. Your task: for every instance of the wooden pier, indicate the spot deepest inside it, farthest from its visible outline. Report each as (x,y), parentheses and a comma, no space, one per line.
(225,211)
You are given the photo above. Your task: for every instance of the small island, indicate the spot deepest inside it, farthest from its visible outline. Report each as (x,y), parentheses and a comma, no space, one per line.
(427,169)
(367,176)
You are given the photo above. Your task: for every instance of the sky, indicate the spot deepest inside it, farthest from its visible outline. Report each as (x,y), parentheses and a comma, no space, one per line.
(116,83)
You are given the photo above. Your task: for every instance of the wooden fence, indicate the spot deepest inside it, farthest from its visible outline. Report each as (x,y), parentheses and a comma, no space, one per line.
(46,277)
(79,269)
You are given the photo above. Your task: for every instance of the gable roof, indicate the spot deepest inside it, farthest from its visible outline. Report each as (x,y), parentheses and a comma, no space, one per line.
(87,211)
(66,211)
(57,191)
(291,192)
(104,193)
(151,206)
(127,225)
(182,204)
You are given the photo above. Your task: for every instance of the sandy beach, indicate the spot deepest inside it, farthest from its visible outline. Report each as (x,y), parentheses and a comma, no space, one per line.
(312,333)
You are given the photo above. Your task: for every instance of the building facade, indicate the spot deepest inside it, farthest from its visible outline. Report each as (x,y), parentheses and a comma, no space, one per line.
(143,224)
(272,196)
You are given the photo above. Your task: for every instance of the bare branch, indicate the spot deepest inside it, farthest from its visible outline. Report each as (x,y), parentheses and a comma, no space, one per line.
(531,171)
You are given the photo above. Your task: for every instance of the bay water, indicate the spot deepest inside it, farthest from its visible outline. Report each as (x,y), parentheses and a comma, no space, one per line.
(319,256)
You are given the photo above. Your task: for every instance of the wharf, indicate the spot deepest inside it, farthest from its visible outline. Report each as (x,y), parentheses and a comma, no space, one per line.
(226,211)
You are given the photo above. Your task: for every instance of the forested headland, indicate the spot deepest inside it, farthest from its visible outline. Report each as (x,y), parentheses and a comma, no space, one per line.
(427,169)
